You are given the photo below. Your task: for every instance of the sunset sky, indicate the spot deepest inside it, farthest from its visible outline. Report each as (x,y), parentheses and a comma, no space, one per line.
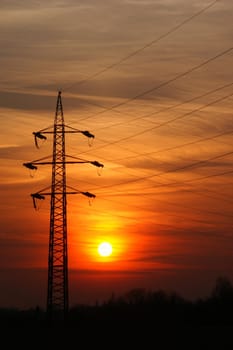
(153,81)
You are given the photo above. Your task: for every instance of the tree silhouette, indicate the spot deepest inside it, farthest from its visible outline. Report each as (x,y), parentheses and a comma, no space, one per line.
(223,289)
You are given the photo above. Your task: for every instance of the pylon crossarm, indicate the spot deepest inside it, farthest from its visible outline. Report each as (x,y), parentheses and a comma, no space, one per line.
(40,194)
(36,196)
(97,164)
(33,165)
(30,166)
(88,134)
(66,162)
(90,196)
(93,162)
(50,130)
(38,135)
(87,194)
(60,193)
(84,132)
(61,132)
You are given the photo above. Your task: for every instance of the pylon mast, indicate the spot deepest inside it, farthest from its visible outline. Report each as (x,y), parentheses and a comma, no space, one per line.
(57,291)
(57,295)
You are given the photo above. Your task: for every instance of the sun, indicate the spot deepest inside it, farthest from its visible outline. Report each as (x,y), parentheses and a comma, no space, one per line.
(105,249)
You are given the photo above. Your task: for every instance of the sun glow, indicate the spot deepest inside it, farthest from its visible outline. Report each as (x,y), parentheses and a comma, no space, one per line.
(105,249)
(92,250)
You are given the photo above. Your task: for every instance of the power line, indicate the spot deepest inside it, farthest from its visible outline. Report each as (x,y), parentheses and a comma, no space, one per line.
(165,123)
(178,118)
(200,162)
(159,184)
(205,161)
(193,180)
(179,146)
(209,212)
(165,109)
(134,53)
(171,80)
(167,214)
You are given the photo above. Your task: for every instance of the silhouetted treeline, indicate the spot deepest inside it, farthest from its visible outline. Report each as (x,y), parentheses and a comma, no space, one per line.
(138,308)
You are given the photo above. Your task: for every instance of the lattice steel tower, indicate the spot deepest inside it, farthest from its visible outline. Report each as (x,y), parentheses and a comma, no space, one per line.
(57,296)
(57,288)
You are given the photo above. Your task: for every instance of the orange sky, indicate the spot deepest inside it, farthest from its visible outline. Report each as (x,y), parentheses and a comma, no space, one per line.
(152,80)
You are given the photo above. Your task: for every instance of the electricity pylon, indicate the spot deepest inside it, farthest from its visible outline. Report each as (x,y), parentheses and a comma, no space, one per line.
(57,288)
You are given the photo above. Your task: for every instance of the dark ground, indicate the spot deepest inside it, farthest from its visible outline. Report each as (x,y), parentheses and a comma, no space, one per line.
(139,319)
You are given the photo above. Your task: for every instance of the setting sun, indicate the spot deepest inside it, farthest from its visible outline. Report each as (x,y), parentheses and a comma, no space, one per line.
(105,249)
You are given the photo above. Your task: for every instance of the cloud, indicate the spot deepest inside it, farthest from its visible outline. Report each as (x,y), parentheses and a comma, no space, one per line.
(40,4)
(42,101)
(179,165)
(56,55)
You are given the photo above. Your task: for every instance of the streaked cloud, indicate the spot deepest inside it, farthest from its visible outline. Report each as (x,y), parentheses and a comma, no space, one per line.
(151,94)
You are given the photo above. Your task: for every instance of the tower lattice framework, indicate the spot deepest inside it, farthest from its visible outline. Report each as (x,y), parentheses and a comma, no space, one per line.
(57,287)
(57,295)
